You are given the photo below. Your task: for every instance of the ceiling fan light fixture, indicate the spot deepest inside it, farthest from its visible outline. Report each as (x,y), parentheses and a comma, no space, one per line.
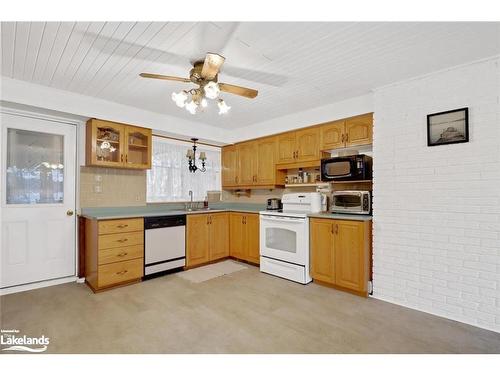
(191,107)
(204,103)
(180,98)
(212,90)
(223,107)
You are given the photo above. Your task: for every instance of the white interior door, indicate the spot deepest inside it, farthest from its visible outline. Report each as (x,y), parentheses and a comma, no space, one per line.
(38,200)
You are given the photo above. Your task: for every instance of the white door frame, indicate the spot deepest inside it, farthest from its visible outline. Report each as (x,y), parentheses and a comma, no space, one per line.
(78,125)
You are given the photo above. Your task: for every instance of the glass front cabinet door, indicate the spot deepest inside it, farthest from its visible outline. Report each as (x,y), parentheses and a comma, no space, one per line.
(138,147)
(110,144)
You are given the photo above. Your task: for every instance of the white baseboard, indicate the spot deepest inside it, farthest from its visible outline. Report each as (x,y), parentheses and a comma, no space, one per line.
(41,284)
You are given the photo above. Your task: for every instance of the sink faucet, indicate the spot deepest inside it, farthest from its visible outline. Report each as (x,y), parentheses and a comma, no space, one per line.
(191,199)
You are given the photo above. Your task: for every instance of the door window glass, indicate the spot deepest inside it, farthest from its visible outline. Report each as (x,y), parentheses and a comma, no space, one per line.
(281,239)
(35,167)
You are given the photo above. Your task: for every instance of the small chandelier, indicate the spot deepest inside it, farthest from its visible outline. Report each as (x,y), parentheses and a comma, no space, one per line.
(191,155)
(195,99)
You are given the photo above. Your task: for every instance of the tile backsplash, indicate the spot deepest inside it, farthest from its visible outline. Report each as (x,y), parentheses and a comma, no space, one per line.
(109,187)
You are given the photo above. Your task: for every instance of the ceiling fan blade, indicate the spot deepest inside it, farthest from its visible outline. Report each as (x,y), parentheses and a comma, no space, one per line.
(168,78)
(238,90)
(212,65)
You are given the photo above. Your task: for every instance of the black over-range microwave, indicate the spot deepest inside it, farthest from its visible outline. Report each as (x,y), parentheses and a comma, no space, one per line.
(345,168)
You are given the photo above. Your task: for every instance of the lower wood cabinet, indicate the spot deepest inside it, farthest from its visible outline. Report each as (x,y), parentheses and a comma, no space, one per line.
(244,236)
(341,253)
(207,238)
(114,252)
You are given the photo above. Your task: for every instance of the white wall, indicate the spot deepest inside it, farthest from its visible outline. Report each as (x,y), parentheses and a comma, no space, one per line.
(30,94)
(346,108)
(437,209)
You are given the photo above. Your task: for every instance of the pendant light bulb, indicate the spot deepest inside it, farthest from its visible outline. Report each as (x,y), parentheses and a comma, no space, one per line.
(223,107)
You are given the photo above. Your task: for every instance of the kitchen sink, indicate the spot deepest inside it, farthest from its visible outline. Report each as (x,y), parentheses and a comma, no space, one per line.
(198,209)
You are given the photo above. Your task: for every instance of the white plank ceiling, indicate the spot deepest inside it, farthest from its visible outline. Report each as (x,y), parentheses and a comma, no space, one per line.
(295,66)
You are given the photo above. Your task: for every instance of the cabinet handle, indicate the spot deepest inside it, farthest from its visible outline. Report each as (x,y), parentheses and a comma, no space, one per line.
(332,230)
(121,158)
(122,272)
(123,240)
(343,137)
(347,137)
(336,229)
(126,158)
(122,254)
(208,219)
(121,226)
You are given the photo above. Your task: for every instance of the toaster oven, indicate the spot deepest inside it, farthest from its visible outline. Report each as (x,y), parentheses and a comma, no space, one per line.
(351,202)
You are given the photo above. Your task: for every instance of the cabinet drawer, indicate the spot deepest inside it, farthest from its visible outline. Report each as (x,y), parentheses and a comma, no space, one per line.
(120,226)
(119,272)
(108,241)
(119,254)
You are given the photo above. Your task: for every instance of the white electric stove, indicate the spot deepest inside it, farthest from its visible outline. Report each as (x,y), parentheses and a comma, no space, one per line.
(284,237)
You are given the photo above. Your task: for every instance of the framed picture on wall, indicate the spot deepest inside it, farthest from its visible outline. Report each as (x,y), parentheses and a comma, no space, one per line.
(448,127)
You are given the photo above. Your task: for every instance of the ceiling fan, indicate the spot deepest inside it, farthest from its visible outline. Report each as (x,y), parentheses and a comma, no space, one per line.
(204,74)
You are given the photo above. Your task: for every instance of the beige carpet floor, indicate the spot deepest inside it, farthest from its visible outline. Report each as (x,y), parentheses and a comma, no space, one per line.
(241,312)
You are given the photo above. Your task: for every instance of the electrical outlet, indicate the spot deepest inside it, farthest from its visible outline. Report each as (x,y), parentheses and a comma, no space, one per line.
(98,178)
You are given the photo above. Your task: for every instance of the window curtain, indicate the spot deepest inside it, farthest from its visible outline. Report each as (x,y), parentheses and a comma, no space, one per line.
(169,179)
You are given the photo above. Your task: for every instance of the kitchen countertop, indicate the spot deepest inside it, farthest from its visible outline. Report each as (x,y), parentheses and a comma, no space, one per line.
(328,215)
(107,213)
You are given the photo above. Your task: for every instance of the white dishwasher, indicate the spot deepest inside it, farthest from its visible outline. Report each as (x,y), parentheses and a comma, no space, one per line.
(164,244)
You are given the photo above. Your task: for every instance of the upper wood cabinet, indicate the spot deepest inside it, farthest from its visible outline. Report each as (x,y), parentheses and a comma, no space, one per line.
(229,166)
(332,135)
(137,147)
(263,162)
(207,238)
(307,144)
(299,146)
(354,131)
(341,253)
(359,130)
(110,144)
(265,169)
(250,164)
(244,236)
(247,163)
(286,148)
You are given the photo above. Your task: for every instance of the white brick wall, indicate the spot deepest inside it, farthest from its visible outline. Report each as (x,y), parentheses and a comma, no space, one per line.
(437,209)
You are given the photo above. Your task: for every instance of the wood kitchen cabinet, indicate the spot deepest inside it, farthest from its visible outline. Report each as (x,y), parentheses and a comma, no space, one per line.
(307,144)
(251,164)
(229,166)
(354,131)
(265,173)
(299,146)
(359,130)
(247,163)
(244,237)
(332,135)
(286,148)
(207,238)
(114,252)
(341,253)
(111,144)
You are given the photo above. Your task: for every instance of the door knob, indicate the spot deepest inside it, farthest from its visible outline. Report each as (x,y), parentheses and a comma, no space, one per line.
(69,212)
